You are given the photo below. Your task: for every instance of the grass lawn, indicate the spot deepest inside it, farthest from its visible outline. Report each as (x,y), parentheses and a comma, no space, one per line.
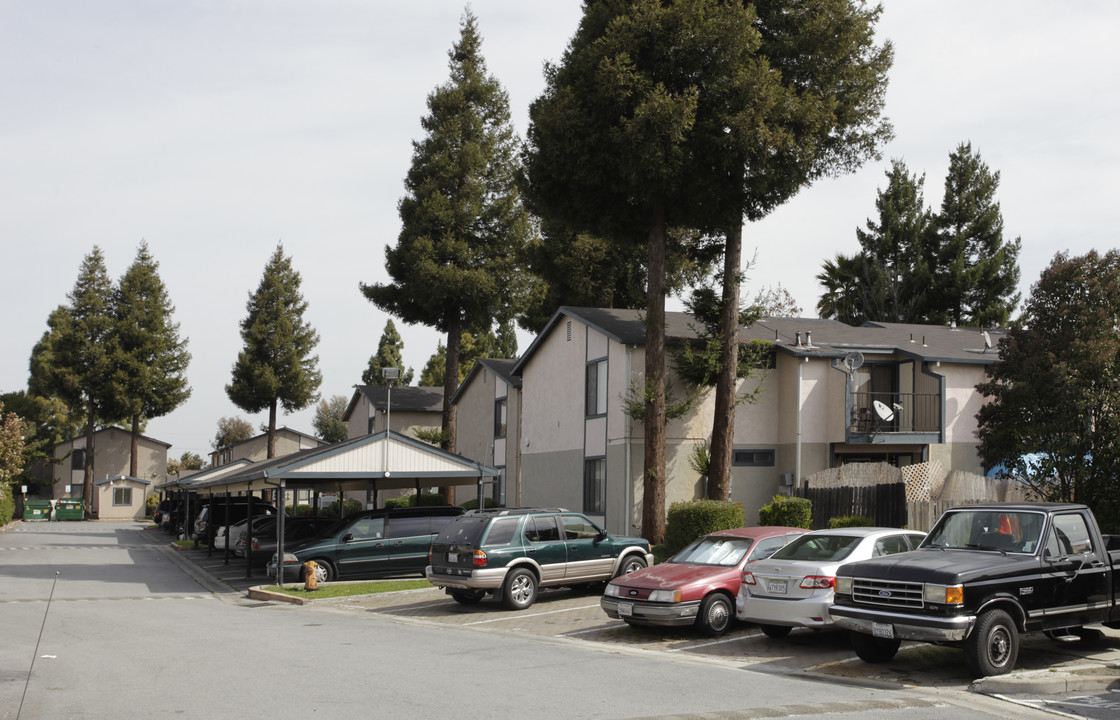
(347,589)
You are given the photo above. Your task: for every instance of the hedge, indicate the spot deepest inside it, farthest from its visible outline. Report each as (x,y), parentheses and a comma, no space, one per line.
(7,504)
(413,500)
(787,511)
(845,521)
(689,520)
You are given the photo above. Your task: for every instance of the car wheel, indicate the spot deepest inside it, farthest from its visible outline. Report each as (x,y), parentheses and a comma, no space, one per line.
(521,589)
(630,563)
(468,597)
(323,572)
(775,631)
(993,646)
(872,649)
(715,615)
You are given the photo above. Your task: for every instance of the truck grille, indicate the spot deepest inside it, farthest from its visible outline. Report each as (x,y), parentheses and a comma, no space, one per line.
(884,592)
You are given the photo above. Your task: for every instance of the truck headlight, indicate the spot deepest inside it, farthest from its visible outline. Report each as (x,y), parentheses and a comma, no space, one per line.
(943,594)
(844,585)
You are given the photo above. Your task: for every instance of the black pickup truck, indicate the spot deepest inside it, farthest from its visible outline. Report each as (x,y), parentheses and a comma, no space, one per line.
(984,575)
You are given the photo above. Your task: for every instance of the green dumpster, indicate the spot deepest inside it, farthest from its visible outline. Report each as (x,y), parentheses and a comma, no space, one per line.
(36,509)
(70,509)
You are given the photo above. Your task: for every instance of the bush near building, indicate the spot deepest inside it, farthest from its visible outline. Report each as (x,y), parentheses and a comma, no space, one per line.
(787,511)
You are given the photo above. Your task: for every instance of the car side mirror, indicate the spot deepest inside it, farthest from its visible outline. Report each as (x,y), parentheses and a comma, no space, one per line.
(347,537)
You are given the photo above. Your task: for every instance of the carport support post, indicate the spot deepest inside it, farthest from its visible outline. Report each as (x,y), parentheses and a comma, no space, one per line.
(249,539)
(280,539)
(229,510)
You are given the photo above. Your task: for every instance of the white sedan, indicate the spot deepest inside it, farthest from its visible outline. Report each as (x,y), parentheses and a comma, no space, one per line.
(794,586)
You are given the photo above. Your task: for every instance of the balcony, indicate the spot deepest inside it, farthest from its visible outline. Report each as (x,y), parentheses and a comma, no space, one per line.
(894,418)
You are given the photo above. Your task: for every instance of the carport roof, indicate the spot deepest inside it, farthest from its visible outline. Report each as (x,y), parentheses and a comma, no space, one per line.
(381,461)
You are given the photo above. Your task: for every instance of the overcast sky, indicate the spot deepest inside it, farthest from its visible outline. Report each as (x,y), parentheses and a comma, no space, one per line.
(214,130)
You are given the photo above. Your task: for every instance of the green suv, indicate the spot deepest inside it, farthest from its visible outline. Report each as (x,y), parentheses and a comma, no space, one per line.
(510,553)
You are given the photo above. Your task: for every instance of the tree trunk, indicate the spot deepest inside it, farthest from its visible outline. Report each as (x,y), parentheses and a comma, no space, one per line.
(450,385)
(87,476)
(653,478)
(134,449)
(272,429)
(723,424)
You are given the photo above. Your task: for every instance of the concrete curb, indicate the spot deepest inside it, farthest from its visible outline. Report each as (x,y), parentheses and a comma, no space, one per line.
(1051,682)
(259,593)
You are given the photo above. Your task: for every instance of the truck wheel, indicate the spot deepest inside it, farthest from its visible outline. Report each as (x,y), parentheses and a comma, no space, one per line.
(629,564)
(993,646)
(871,649)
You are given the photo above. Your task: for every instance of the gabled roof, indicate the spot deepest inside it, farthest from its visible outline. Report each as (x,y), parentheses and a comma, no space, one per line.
(391,459)
(829,338)
(503,368)
(407,398)
(111,428)
(280,430)
(120,478)
(207,474)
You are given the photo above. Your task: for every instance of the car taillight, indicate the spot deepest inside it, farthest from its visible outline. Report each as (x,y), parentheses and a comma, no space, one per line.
(256,544)
(748,578)
(429,554)
(818,581)
(479,558)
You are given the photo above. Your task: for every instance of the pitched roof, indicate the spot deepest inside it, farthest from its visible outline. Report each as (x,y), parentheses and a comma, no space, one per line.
(829,338)
(408,398)
(503,368)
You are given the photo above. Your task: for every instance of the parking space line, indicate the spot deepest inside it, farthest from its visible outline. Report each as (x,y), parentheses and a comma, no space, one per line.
(520,615)
(600,628)
(415,607)
(714,642)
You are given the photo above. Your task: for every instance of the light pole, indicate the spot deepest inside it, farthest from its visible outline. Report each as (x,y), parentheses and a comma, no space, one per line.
(389,374)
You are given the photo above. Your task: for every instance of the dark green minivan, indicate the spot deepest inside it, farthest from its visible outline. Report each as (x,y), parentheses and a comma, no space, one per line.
(388,542)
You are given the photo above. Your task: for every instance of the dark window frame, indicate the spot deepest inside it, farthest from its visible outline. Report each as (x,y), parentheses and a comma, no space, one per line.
(595,488)
(752,458)
(501,419)
(595,399)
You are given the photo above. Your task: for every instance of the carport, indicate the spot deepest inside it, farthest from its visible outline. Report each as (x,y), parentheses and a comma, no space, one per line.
(380,462)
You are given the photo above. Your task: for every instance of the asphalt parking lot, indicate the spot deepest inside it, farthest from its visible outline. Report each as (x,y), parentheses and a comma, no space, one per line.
(1046,669)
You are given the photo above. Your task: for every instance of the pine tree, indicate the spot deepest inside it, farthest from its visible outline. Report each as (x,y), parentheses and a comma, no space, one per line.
(276,366)
(328,420)
(149,358)
(456,263)
(80,362)
(889,279)
(978,270)
(389,350)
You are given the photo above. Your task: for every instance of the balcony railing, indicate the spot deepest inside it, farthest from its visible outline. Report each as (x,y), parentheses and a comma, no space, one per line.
(909,413)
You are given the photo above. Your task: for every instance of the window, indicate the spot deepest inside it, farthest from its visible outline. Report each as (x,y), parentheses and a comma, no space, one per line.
(500,418)
(409,526)
(597,388)
(753,458)
(891,545)
(122,496)
(1069,536)
(594,490)
(542,529)
(78,460)
(768,546)
(369,528)
(577,527)
(502,530)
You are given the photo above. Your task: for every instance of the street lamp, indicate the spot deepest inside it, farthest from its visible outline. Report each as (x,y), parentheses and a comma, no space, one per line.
(389,374)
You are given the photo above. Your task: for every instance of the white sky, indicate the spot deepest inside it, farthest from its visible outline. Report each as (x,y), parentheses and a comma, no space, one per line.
(214,129)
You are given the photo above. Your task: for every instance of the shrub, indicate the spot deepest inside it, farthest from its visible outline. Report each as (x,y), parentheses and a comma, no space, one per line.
(845,521)
(297,510)
(472,504)
(7,504)
(349,507)
(689,520)
(150,504)
(413,500)
(787,511)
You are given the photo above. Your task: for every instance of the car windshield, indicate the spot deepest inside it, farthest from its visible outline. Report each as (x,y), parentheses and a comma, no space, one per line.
(988,529)
(818,548)
(714,551)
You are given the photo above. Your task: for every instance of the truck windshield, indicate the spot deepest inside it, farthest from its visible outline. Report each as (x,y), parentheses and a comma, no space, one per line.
(988,529)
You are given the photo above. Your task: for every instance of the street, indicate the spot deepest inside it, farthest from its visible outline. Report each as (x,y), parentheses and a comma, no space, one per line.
(132,630)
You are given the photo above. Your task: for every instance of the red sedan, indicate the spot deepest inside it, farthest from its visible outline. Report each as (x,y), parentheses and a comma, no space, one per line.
(698,585)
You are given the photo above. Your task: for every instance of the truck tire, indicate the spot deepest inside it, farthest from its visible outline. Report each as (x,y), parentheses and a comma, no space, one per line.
(871,649)
(993,646)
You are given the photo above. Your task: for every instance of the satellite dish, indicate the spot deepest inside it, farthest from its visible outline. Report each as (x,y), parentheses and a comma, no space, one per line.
(885,413)
(987,341)
(853,360)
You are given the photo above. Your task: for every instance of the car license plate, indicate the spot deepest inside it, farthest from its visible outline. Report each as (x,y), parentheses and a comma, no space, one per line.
(883,630)
(625,609)
(777,587)
(452,557)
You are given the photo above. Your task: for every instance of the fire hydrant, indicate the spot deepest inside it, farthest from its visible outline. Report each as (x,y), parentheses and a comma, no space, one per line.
(310,581)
